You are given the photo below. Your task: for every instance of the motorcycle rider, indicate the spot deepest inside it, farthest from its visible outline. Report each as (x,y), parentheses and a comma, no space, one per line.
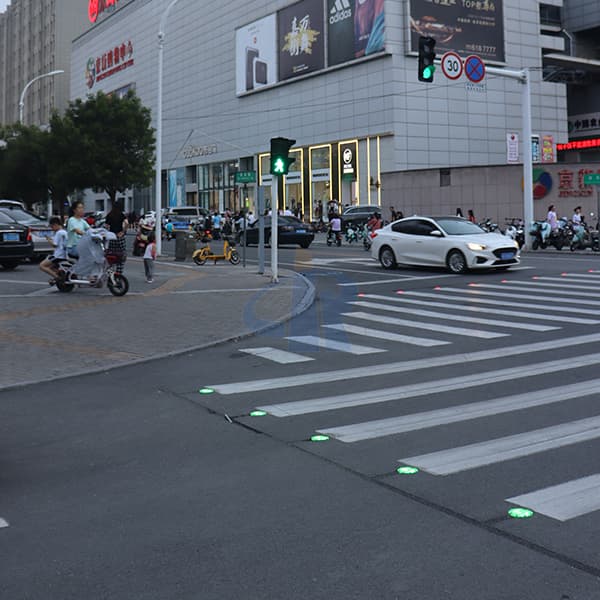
(551,224)
(335,227)
(578,227)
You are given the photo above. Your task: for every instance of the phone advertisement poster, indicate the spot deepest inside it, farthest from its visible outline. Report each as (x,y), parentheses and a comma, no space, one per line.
(256,55)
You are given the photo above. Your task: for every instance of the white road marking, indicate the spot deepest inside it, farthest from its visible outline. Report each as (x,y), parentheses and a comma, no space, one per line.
(279,356)
(487,335)
(455,460)
(462,358)
(482,292)
(229,291)
(24,282)
(330,261)
(414,390)
(457,414)
(386,335)
(474,298)
(396,280)
(565,285)
(511,313)
(564,501)
(542,289)
(447,317)
(589,276)
(3,523)
(44,291)
(326,344)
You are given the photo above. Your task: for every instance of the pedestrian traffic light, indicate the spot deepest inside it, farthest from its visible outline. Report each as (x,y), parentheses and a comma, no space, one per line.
(426,58)
(280,159)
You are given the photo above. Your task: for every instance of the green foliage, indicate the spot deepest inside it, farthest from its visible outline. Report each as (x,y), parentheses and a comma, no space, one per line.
(103,142)
(115,149)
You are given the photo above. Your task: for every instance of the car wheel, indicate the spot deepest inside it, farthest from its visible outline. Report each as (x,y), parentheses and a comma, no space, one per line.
(387,258)
(456,261)
(9,265)
(305,245)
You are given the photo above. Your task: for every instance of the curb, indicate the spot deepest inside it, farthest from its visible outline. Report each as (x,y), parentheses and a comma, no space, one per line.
(303,305)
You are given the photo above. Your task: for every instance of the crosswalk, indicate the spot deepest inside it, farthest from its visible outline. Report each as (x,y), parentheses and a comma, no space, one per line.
(542,307)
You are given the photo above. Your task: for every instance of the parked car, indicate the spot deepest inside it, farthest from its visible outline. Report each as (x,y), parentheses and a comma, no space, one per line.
(290,231)
(452,242)
(184,216)
(11,203)
(15,242)
(358,215)
(38,228)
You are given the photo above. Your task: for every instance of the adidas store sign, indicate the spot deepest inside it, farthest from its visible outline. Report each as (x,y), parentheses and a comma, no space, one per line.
(340,11)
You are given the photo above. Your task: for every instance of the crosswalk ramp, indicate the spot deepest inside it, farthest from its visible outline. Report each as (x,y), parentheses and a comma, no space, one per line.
(375,323)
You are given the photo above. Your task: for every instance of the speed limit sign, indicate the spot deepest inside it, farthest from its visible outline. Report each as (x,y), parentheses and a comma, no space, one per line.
(452,65)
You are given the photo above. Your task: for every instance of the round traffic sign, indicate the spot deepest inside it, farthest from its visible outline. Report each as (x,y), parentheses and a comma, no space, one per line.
(452,65)
(474,68)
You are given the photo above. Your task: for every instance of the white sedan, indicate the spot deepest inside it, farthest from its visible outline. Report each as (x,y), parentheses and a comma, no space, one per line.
(452,242)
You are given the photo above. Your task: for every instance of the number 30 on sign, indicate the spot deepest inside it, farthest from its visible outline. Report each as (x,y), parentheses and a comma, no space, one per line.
(452,65)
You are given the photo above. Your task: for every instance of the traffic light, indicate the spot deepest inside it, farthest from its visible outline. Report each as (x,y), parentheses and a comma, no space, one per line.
(426,58)
(280,161)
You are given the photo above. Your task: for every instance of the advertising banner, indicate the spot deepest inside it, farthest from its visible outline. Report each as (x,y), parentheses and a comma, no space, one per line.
(548,154)
(355,28)
(348,153)
(256,55)
(465,26)
(512,147)
(301,42)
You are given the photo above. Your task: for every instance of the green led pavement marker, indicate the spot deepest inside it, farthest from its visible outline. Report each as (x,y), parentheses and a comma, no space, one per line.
(319,438)
(520,513)
(206,391)
(258,413)
(407,470)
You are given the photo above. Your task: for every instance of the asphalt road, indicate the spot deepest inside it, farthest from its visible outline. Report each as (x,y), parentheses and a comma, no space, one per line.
(132,484)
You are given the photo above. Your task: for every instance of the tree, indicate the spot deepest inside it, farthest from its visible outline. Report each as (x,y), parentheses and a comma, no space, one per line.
(113,143)
(23,173)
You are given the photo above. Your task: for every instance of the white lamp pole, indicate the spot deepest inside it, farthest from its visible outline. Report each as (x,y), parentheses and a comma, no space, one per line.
(158,183)
(22,98)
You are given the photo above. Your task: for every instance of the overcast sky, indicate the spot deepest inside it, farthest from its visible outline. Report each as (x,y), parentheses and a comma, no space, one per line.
(3,4)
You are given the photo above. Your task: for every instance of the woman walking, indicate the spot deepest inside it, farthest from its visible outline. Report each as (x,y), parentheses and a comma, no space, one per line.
(116,221)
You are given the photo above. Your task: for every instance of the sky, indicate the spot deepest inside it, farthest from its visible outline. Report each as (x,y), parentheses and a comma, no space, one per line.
(3,4)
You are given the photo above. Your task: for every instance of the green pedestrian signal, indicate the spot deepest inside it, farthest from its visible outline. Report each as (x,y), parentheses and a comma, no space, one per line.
(426,59)
(280,160)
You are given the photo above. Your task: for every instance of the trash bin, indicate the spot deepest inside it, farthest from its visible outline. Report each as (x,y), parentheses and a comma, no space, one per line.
(180,245)
(190,243)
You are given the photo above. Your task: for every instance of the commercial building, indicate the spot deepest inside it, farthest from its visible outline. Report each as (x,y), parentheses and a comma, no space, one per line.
(35,38)
(340,78)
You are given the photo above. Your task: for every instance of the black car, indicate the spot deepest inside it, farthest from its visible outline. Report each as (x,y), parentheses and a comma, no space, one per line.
(291,231)
(359,215)
(15,242)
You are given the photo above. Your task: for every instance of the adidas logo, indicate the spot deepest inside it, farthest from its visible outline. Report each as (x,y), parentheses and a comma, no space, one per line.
(339,11)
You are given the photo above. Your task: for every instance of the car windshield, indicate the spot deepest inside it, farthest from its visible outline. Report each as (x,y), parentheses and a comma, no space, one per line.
(457,226)
(22,216)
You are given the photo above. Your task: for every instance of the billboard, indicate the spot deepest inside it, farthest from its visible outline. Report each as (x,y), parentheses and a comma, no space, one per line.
(355,28)
(301,43)
(256,55)
(465,26)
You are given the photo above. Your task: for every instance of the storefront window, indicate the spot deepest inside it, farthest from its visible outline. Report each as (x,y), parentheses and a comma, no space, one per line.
(320,180)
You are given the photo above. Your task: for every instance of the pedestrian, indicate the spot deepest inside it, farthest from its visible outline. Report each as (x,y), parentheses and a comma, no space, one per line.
(150,257)
(76,227)
(393,213)
(459,213)
(471,215)
(117,223)
(216,226)
(58,242)
(399,215)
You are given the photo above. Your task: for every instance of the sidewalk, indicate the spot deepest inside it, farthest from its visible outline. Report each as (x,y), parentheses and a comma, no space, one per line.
(46,335)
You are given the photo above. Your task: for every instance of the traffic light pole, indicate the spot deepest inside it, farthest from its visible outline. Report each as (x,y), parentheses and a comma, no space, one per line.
(524,77)
(274,228)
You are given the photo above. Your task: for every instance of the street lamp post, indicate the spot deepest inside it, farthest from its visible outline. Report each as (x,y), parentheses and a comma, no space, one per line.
(22,98)
(158,182)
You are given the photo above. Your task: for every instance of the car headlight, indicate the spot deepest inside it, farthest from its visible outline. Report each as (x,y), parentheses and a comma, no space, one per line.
(476,247)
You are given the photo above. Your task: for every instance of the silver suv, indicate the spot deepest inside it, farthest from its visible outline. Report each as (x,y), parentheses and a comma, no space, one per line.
(192,215)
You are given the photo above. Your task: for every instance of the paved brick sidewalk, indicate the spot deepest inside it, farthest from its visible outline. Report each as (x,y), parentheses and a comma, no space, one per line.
(45,334)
